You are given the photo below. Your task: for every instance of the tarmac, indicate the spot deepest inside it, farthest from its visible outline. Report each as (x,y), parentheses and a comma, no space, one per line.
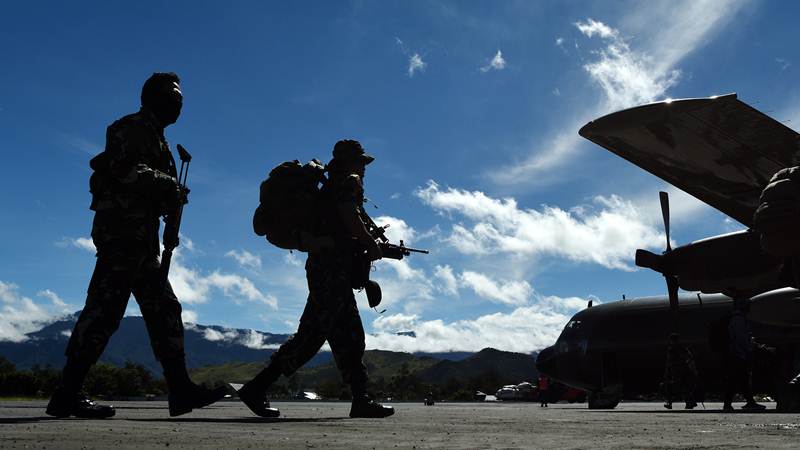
(229,425)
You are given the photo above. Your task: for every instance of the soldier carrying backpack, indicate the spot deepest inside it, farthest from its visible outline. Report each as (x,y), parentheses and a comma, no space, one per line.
(330,223)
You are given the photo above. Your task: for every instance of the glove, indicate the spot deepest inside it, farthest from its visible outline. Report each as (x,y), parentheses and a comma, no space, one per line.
(374,251)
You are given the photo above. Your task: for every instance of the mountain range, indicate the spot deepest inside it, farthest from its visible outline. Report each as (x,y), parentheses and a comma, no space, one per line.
(247,350)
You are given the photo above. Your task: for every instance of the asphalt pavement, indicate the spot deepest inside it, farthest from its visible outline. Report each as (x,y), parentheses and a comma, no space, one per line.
(229,425)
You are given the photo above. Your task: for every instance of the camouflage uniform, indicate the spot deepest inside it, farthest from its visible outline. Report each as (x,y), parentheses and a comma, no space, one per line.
(680,373)
(132,178)
(331,312)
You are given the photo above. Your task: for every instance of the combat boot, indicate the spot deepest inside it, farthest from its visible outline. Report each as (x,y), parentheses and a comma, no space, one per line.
(256,399)
(363,406)
(65,404)
(254,393)
(187,398)
(184,394)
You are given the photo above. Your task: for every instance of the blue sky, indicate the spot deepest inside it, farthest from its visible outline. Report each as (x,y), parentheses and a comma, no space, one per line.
(471,109)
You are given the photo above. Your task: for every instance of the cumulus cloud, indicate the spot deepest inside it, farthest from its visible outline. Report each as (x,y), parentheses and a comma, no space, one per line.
(496,63)
(20,315)
(249,338)
(192,286)
(53,297)
(627,71)
(606,232)
(245,259)
(189,317)
(525,329)
(397,229)
(509,292)
(447,282)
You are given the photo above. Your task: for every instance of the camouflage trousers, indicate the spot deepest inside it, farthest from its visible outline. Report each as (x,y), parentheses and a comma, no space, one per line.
(331,314)
(124,267)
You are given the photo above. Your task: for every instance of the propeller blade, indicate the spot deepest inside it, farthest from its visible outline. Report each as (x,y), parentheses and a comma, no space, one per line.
(672,291)
(649,260)
(664,197)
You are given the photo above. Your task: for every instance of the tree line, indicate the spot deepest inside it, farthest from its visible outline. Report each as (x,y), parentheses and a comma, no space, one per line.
(104,380)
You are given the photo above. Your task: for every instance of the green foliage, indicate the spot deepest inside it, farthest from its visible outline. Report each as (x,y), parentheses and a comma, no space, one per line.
(401,376)
(131,380)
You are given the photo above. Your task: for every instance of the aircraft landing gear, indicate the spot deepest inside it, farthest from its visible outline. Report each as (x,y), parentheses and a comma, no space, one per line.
(606,398)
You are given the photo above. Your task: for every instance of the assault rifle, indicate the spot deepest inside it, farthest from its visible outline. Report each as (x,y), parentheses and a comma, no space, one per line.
(172,222)
(361,279)
(391,251)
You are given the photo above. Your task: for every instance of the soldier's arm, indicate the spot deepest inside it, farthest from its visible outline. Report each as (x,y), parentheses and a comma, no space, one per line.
(350,214)
(125,145)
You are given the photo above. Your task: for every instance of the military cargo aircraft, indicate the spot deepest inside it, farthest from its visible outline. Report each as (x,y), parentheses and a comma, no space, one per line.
(723,152)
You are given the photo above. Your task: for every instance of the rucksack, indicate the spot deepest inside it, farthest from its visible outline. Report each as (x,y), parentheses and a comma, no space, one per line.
(289,203)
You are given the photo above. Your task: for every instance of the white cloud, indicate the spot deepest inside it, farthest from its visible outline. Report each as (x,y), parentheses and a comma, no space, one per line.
(606,232)
(248,338)
(497,63)
(556,92)
(397,229)
(213,335)
(245,259)
(81,243)
(627,75)
(255,340)
(292,259)
(189,317)
(53,297)
(627,78)
(783,62)
(448,284)
(415,64)
(508,292)
(20,315)
(592,27)
(559,41)
(525,329)
(191,286)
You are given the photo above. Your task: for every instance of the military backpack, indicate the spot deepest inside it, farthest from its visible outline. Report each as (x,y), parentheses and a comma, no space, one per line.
(288,206)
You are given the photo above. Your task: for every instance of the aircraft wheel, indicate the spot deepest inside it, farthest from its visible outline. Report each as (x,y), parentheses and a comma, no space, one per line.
(603,400)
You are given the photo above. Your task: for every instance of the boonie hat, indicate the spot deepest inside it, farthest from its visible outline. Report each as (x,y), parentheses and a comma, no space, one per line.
(350,150)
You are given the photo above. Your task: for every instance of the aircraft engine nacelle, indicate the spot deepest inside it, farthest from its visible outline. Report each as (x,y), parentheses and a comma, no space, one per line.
(779,308)
(733,264)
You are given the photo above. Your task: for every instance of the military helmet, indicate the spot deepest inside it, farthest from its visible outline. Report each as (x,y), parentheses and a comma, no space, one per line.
(351,150)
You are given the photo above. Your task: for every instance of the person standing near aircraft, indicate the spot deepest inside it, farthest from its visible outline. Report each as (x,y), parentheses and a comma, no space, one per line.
(680,373)
(739,359)
(133,185)
(543,386)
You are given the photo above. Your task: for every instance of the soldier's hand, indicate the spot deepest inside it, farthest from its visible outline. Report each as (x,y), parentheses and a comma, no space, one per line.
(184,195)
(176,197)
(374,251)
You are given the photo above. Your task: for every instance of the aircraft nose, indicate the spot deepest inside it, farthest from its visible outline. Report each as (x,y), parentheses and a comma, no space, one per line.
(546,362)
